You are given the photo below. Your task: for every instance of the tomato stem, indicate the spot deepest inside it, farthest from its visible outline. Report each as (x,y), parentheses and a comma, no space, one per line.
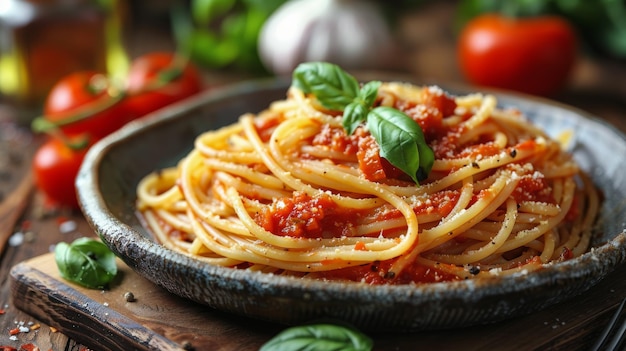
(75,143)
(42,124)
(114,96)
(172,72)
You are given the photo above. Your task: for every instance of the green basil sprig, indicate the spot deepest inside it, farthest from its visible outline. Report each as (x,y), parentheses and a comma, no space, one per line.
(87,262)
(320,337)
(400,139)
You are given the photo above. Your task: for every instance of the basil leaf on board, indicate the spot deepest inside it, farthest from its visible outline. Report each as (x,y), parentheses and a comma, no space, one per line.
(87,262)
(322,337)
(397,136)
(333,87)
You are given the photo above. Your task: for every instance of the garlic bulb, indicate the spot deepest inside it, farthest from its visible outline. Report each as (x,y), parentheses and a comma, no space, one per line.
(350,33)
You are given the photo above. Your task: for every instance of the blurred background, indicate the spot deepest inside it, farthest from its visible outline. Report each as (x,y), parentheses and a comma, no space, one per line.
(571,51)
(229,40)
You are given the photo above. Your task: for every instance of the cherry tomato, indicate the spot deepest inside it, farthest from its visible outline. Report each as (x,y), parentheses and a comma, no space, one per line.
(533,55)
(55,166)
(154,81)
(84,92)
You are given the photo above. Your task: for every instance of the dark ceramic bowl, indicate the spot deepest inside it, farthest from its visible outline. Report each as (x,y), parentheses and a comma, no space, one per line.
(106,187)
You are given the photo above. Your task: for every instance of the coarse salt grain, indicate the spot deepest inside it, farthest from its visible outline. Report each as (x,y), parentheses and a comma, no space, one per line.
(16,239)
(67,226)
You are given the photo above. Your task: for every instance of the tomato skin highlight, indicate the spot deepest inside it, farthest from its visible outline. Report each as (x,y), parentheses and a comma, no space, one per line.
(531,55)
(144,72)
(80,90)
(55,166)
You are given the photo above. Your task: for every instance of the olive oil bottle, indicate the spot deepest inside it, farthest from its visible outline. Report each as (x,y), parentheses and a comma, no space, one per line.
(44,40)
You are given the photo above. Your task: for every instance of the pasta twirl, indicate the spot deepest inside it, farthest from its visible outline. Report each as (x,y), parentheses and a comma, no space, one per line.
(287,191)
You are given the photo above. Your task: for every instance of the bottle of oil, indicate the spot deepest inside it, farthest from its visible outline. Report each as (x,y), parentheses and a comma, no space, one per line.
(43,40)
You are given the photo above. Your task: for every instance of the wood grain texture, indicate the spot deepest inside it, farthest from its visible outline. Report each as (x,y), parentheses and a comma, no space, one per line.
(104,320)
(13,206)
(157,320)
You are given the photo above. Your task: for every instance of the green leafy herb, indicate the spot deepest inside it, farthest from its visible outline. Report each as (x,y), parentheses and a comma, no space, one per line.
(356,112)
(220,33)
(353,116)
(322,337)
(333,88)
(87,262)
(397,138)
(400,139)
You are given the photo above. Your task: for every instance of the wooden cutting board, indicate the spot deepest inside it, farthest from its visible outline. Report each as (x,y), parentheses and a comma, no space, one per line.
(158,320)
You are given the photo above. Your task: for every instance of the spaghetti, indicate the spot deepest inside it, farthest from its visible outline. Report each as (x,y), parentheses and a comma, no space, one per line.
(287,191)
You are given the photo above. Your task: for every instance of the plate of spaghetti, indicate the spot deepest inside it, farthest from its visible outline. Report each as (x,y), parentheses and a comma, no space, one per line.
(380,202)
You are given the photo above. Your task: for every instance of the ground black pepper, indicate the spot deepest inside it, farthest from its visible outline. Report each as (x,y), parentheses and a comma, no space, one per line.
(474,270)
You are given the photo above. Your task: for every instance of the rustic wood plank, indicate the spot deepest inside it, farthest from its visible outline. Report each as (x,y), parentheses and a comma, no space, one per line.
(78,316)
(13,206)
(158,320)
(104,320)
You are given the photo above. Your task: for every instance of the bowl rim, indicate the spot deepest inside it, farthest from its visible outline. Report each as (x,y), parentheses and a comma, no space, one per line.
(109,227)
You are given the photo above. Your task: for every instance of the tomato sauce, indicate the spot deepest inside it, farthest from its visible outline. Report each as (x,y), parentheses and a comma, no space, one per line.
(336,139)
(377,273)
(372,165)
(265,126)
(370,162)
(435,106)
(533,187)
(485,149)
(303,216)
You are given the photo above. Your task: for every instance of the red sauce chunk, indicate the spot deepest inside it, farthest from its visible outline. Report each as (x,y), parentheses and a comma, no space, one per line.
(337,140)
(377,273)
(485,149)
(303,216)
(370,162)
(374,167)
(265,126)
(533,187)
(429,114)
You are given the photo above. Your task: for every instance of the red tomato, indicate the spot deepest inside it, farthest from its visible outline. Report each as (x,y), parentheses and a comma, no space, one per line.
(154,82)
(532,55)
(84,92)
(55,166)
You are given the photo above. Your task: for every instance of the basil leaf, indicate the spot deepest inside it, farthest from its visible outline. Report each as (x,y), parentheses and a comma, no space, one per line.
(87,262)
(353,115)
(333,87)
(427,159)
(397,136)
(369,92)
(356,112)
(400,139)
(322,337)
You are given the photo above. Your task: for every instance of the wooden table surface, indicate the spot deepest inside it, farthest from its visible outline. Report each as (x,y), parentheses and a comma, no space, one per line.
(29,228)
